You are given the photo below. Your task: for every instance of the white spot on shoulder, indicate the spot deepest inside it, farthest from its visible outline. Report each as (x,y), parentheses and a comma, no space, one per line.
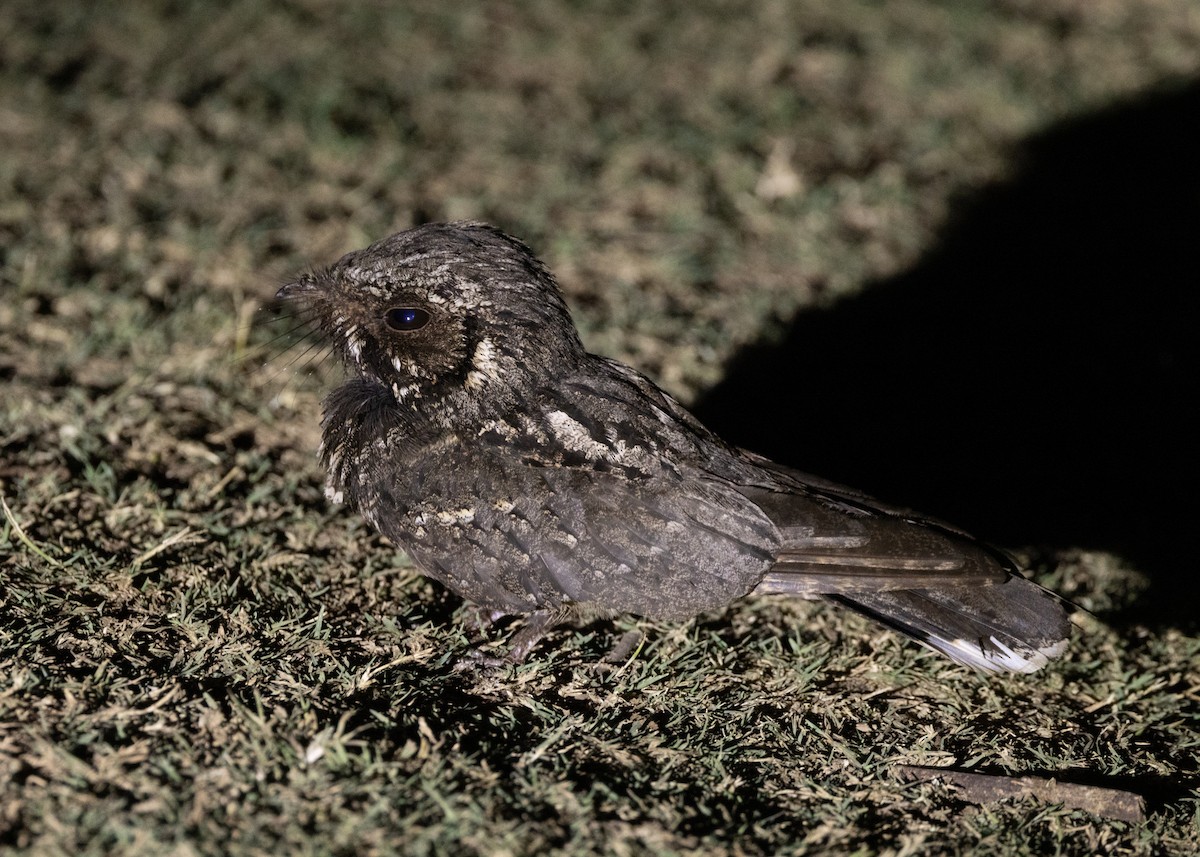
(500,427)
(334,495)
(574,436)
(455,516)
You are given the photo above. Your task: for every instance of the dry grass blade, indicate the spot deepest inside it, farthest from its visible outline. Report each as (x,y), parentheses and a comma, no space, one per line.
(22,536)
(185,536)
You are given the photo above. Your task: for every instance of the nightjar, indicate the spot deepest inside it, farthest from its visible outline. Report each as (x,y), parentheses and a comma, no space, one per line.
(534,478)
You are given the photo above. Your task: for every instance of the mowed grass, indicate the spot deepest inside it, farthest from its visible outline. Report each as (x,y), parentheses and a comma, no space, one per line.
(199,655)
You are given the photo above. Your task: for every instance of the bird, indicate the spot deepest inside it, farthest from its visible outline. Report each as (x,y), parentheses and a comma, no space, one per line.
(538,480)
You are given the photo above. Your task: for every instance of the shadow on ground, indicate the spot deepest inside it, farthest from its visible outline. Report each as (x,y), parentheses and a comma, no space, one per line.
(1035,377)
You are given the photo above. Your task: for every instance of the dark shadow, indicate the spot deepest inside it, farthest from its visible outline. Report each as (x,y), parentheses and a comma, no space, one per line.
(1035,377)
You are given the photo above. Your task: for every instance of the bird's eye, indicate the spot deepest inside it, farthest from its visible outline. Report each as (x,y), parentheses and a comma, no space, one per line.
(405,318)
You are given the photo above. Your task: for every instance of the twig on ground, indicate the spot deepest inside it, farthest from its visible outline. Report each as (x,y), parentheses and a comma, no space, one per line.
(983,788)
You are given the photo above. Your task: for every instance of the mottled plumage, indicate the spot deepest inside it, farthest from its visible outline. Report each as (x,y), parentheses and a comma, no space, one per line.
(532,477)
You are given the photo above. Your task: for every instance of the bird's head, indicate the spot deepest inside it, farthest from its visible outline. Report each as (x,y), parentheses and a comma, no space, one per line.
(444,309)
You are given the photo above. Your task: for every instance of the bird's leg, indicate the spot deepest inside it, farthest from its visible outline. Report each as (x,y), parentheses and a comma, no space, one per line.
(540,622)
(537,624)
(477,620)
(521,643)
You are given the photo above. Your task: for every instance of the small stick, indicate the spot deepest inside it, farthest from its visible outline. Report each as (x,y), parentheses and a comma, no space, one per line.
(983,788)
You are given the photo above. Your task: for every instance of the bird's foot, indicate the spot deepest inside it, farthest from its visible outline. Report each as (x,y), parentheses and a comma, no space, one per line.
(477,620)
(519,645)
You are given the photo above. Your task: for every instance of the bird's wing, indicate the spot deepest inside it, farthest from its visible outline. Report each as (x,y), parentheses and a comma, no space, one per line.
(840,544)
(516,535)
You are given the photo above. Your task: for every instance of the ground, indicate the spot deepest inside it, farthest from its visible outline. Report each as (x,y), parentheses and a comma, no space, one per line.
(200,655)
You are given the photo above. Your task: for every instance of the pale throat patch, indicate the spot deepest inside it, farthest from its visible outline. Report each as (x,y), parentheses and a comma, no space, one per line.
(354,343)
(403,392)
(484,364)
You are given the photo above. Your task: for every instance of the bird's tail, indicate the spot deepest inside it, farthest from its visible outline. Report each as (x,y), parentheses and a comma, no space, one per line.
(915,575)
(1014,626)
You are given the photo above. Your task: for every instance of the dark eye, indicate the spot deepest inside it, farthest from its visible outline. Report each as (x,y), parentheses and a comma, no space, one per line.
(405,318)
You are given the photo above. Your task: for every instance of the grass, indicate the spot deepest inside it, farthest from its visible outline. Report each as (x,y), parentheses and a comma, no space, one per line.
(198,655)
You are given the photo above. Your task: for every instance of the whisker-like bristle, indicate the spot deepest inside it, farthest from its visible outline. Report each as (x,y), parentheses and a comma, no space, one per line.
(304,355)
(299,348)
(303,329)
